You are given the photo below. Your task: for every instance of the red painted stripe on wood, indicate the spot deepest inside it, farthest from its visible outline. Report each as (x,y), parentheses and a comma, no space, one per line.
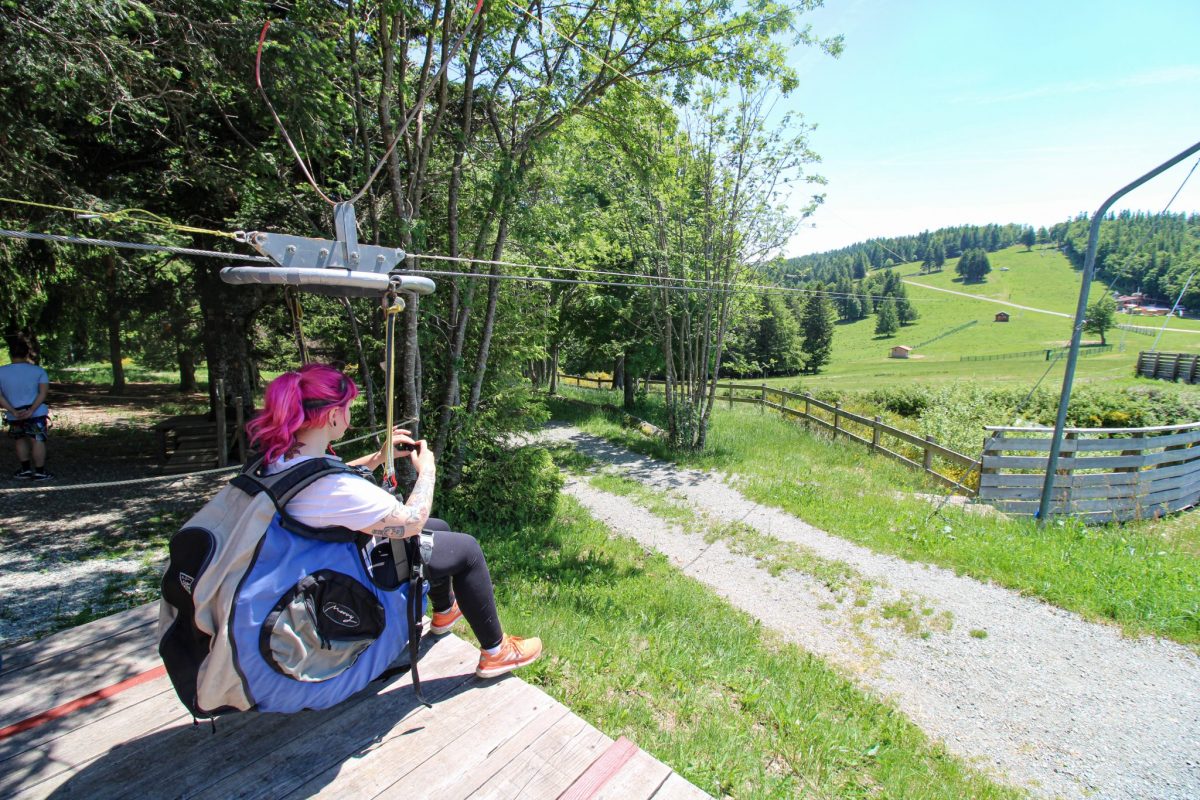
(601,771)
(80,703)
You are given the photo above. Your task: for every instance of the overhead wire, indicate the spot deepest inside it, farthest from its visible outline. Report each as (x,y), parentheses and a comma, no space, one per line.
(641,281)
(89,242)
(646,280)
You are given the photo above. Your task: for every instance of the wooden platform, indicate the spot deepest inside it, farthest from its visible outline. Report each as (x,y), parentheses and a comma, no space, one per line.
(88,713)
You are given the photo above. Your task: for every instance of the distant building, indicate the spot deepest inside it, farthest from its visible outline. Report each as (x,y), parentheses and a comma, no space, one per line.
(1135,299)
(1002,316)
(900,351)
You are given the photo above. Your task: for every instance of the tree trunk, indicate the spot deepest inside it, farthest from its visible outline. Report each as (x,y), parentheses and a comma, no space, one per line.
(364,367)
(113,319)
(552,368)
(618,381)
(187,369)
(228,313)
(630,387)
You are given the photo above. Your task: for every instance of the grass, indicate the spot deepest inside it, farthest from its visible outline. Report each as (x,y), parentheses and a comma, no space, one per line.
(1143,576)
(640,650)
(1041,279)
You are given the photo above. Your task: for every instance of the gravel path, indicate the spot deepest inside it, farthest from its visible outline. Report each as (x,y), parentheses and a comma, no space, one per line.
(68,555)
(1044,699)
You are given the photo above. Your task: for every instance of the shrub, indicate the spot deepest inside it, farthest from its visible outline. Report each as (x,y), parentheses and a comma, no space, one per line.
(514,488)
(907,401)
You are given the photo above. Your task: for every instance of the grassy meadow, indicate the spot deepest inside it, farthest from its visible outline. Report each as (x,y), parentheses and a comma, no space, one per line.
(1041,278)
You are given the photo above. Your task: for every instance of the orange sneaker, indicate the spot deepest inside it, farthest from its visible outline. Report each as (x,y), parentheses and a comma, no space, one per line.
(444,620)
(514,652)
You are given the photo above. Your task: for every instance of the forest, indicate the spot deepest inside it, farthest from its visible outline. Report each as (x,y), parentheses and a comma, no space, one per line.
(567,141)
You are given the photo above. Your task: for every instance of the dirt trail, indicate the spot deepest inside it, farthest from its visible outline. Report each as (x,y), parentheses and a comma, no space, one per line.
(1045,699)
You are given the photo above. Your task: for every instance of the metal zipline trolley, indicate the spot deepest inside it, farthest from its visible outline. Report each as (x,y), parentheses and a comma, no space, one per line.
(344,268)
(341,268)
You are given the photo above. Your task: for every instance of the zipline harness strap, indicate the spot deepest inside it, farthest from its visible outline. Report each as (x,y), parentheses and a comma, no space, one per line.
(393,305)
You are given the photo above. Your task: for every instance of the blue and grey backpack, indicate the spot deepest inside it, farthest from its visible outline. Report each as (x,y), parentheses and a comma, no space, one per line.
(261,612)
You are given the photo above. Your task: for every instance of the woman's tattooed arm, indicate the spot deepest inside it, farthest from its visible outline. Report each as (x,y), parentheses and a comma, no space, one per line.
(409,519)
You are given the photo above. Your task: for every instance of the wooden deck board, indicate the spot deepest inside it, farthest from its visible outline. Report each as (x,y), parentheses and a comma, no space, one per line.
(676,788)
(639,779)
(544,769)
(481,739)
(23,655)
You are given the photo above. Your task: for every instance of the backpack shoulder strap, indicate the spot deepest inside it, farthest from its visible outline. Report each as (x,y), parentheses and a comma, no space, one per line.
(287,484)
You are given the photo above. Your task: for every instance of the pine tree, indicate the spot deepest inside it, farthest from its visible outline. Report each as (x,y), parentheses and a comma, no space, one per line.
(906,312)
(865,305)
(1028,238)
(939,254)
(887,322)
(817,329)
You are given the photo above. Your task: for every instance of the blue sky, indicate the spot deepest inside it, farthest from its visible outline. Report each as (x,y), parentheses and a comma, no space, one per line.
(976,111)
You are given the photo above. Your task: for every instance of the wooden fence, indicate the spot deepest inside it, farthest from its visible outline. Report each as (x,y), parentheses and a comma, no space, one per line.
(1169,366)
(1103,475)
(926,454)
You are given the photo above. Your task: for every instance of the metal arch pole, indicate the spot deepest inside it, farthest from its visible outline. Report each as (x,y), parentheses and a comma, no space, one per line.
(1089,266)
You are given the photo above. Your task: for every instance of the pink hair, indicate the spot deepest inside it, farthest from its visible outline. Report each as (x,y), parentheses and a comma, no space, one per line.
(297,400)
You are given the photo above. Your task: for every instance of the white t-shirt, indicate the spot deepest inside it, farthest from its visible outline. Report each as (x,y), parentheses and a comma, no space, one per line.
(344,500)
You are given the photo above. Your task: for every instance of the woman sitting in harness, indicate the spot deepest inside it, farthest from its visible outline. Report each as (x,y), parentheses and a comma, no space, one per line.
(306,410)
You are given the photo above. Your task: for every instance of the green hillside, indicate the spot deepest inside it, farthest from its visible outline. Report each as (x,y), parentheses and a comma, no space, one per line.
(1042,278)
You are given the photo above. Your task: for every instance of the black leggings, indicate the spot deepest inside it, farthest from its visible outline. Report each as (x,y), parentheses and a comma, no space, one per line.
(457,567)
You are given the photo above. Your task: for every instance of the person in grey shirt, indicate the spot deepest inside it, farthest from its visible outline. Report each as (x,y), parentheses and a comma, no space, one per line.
(23,387)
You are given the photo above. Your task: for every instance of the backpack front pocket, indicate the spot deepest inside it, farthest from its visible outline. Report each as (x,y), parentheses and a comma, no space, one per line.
(320,627)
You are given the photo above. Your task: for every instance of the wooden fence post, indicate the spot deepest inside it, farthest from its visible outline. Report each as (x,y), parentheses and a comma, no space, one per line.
(807,410)
(241,430)
(836,418)
(875,434)
(927,458)
(222,447)
(762,399)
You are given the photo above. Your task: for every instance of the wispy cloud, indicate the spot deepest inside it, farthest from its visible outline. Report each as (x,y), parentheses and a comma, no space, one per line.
(1183,73)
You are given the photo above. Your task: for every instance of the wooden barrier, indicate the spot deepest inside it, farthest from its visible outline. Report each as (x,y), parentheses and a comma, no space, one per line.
(1103,475)
(1169,366)
(835,419)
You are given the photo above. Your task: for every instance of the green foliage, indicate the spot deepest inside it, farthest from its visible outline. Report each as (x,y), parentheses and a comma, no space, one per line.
(974,265)
(818,329)
(887,322)
(1101,315)
(907,401)
(1152,253)
(510,489)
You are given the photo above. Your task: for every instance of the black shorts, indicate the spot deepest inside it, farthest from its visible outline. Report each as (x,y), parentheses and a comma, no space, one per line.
(36,428)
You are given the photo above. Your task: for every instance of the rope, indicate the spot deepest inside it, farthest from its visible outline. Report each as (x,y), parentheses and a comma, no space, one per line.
(181,251)
(262,38)
(128,214)
(388,481)
(154,479)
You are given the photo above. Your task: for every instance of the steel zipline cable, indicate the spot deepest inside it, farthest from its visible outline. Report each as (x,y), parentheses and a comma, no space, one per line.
(638,281)
(162,248)
(38,488)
